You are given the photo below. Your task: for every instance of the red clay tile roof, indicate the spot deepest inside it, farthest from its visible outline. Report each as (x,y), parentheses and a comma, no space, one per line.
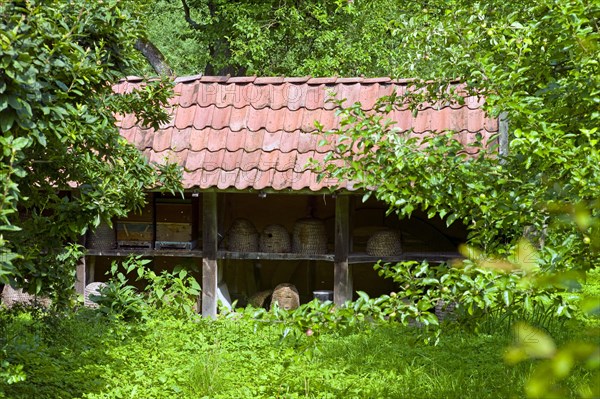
(259,132)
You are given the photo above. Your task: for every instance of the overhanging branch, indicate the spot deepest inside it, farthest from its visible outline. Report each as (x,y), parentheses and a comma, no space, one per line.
(154,56)
(186,10)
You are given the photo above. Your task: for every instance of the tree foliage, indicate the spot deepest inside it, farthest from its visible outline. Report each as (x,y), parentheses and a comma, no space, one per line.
(64,166)
(246,37)
(538,65)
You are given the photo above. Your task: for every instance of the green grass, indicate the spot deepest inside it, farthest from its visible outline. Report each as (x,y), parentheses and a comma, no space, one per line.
(87,355)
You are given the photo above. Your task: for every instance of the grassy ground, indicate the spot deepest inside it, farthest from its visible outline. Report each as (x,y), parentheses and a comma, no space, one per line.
(85,355)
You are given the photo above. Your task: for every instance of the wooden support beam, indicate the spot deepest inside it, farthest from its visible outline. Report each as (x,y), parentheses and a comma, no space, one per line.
(342,276)
(80,281)
(80,271)
(503,140)
(209,251)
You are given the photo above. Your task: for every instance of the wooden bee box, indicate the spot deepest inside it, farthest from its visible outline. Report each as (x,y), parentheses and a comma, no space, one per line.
(134,231)
(174,232)
(174,212)
(146,214)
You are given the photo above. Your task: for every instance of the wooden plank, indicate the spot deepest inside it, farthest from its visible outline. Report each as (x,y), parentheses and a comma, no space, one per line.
(352,258)
(273,256)
(183,253)
(153,199)
(209,248)
(416,256)
(342,278)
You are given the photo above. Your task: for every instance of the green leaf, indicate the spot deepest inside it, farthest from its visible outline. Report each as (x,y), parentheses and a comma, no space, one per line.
(61,85)
(430,281)
(9,227)
(20,143)
(7,119)
(507,297)
(527,305)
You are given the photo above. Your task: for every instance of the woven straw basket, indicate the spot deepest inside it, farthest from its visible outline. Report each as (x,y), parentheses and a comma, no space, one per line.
(102,238)
(12,296)
(242,236)
(92,289)
(287,297)
(309,237)
(385,243)
(275,238)
(445,311)
(261,299)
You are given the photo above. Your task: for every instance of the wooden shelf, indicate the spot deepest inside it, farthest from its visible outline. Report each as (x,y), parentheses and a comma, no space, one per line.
(273,256)
(352,258)
(406,256)
(146,252)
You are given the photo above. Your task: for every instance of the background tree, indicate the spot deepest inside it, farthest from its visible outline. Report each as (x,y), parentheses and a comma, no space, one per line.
(536,63)
(292,38)
(64,165)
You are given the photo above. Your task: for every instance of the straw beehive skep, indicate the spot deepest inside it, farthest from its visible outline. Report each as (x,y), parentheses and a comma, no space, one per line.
(286,296)
(309,237)
(445,311)
(275,238)
(260,299)
(385,243)
(16,296)
(92,289)
(242,236)
(103,238)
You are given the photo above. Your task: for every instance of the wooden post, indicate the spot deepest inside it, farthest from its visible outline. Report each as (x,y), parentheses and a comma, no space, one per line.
(209,254)
(503,143)
(80,272)
(342,277)
(80,281)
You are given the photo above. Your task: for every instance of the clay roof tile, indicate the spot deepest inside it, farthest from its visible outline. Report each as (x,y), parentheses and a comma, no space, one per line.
(254,133)
(241,79)
(319,81)
(269,80)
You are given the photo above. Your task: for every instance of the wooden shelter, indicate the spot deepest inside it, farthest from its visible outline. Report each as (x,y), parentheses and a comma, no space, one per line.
(245,144)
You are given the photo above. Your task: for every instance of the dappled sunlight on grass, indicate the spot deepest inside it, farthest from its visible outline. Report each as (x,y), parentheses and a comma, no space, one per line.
(86,355)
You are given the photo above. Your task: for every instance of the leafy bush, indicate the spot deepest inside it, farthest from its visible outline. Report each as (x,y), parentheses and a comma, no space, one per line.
(484,299)
(174,292)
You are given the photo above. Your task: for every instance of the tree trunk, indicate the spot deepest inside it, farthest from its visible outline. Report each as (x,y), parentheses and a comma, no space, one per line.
(154,56)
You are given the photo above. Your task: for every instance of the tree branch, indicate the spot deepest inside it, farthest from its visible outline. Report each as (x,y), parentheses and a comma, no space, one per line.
(186,10)
(154,56)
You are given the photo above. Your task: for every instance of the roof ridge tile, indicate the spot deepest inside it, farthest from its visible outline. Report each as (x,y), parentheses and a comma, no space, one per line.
(299,79)
(318,81)
(214,79)
(376,80)
(350,80)
(269,80)
(185,79)
(242,79)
